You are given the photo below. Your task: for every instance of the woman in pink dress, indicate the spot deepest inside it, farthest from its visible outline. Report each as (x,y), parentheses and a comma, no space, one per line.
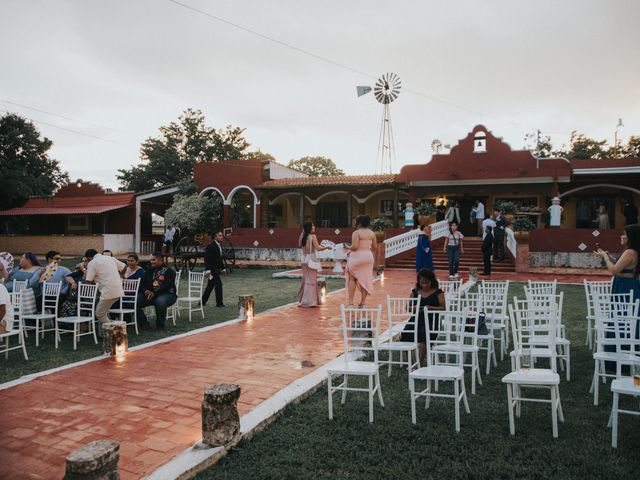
(308,295)
(359,271)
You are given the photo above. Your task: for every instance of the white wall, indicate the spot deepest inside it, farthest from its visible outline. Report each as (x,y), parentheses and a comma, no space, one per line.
(118,243)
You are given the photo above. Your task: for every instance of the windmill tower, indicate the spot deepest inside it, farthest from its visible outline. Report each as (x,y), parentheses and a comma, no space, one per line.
(386,90)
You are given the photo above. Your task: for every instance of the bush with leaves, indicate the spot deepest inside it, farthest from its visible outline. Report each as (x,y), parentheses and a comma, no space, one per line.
(522,224)
(505,206)
(380,224)
(194,213)
(425,208)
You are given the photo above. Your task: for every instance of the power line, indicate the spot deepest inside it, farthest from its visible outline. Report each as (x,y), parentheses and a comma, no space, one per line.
(69,130)
(61,116)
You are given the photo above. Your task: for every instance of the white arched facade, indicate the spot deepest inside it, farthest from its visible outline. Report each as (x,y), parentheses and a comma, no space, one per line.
(600,185)
(256,201)
(213,189)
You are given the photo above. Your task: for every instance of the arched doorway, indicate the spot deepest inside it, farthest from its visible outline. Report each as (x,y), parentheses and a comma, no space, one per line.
(243,207)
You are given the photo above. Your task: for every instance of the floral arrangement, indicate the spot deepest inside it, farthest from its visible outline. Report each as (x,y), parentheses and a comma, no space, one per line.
(380,224)
(522,224)
(425,208)
(505,206)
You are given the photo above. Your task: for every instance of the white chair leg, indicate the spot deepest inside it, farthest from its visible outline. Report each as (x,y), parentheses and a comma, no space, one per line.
(554,412)
(488,369)
(596,386)
(379,389)
(390,360)
(512,425)
(614,421)
(464,395)
(371,393)
(330,394)
(344,391)
(412,391)
(456,393)
(568,350)
(517,394)
(93,329)
(477,362)
(57,334)
(37,332)
(75,335)
(24,346)
(560,413)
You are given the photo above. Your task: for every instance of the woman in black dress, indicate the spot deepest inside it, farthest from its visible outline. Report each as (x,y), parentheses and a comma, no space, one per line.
(430,296)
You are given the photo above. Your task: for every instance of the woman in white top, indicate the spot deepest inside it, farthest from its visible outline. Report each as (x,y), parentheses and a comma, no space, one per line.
(453,247)
(453,214)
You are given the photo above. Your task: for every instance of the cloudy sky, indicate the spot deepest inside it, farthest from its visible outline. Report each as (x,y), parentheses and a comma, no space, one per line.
(117,70)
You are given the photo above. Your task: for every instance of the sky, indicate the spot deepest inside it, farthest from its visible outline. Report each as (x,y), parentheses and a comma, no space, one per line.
(99,77)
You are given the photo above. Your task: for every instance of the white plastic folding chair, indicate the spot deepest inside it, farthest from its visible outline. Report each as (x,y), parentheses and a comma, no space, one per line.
(543,287)
(48,312)
(444,363)
(15,329)
(470,345)
(497,319)
(627,342)
(194,296)
(360,332)
(526,325)
(537,301)
(86,312)
(591,289)
(610,309)
(402,319)
(128,303)
(172,311)
(486,305)
(450,287)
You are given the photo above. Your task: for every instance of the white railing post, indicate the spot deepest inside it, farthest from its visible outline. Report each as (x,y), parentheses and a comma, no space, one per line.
(407,240)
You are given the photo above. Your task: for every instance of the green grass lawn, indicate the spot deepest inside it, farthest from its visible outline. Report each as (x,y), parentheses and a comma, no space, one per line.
(268,293)
(303,443)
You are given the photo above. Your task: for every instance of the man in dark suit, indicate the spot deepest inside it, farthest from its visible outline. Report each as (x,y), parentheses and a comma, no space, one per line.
(487,250)
(214,263)
(498,236)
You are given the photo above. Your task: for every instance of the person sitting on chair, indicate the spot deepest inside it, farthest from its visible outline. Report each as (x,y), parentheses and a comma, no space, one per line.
(157,288)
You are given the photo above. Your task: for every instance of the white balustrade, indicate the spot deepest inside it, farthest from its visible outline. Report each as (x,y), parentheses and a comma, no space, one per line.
(511,241)
(407,240)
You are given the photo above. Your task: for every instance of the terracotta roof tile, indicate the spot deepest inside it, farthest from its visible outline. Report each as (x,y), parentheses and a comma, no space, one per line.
(330,180)
(73,205)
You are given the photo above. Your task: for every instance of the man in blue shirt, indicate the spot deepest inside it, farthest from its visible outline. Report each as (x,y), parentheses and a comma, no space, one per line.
(53,272)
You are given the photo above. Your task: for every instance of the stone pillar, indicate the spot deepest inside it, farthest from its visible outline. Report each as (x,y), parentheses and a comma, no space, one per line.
(246,305)
(114,340)
(226,216)
(95,461)
(322,288)
(220,419)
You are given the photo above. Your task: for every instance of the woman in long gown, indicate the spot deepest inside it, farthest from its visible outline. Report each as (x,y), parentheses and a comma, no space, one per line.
(424,255)
(308,295)
(359,271)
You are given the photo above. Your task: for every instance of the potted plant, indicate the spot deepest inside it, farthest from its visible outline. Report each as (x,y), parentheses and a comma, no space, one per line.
(425,212)
(507,208)
(379,225)
(521,227)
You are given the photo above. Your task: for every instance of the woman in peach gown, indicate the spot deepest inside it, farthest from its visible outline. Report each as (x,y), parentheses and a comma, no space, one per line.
(359,271)
(309,295)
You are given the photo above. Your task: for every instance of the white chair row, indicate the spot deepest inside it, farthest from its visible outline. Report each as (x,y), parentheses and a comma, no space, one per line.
(15,329)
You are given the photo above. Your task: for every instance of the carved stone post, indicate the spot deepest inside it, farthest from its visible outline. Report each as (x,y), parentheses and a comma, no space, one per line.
(220,419)
(114,341)
(95,461)
(246,305)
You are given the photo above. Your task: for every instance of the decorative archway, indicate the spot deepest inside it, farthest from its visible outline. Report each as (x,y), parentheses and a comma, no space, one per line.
(213,189)
(256,201)
(600,185)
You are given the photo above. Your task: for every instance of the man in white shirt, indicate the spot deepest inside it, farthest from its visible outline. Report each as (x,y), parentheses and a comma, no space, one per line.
(105,271)
(168,239)
(6,310)
(478,211)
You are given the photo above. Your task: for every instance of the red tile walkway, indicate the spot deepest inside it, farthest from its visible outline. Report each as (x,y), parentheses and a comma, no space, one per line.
(150,402)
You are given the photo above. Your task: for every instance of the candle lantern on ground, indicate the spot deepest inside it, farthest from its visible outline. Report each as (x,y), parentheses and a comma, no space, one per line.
(114,340)
(322,289)
(245,307)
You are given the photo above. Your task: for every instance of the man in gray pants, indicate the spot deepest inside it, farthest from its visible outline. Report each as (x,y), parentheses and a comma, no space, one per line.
(105,271)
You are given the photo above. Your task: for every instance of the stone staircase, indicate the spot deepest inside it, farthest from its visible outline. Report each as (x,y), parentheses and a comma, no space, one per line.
(472,257)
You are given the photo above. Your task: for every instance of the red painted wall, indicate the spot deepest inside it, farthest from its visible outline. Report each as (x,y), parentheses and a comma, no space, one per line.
(227,175)
(567,240)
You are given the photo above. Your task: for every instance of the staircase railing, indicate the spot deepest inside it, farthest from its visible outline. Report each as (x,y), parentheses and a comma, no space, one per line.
(407,241)
(511,242)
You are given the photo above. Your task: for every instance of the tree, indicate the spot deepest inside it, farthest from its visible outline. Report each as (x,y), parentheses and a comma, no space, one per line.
(540,145)
(316,166)
(260,155)
(194,213)
(170,157)
(25,166)
(582,146)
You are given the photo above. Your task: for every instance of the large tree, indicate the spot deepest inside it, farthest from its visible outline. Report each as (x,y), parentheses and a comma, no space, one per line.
(25,166)
(169,157)
(316,166)
(581,146)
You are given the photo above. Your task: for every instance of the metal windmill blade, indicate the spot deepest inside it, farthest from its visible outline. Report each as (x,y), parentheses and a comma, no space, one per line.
(387,88)
(436,145)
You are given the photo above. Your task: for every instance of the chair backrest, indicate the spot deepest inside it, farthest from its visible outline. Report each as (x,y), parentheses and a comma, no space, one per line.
(405,312)
(87,294)
(361,329)
(50,297)
(19,285)
(15,299)
(130,288)
(445,329)
(499,290)
(450,287)
(537,301)
(610,309)
(196,281)
(178,276)
(533,328)
(592,288)
(543,287)
(625,338)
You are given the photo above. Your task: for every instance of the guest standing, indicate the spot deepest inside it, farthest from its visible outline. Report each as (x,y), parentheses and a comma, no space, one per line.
(487,250)
(479,214)
(603,218)
(453,213)
(167,239)
(28,267)
(214,263)
(498,236)
(359,271)
(424,255)
(454,248)
(157,288)
(440,211)
(625,271)
(308,295)
(430,296)
(105,271)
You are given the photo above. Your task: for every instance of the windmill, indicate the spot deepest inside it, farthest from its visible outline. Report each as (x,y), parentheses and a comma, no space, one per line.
(386,90)
(436,145)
